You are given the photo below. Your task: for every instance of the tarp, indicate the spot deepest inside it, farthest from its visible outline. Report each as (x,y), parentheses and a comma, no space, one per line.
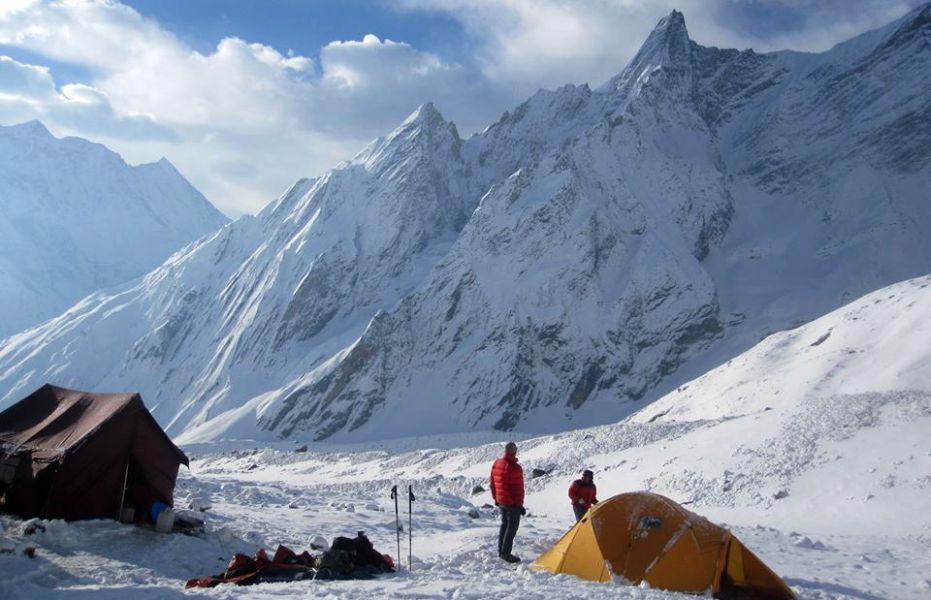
(85,454)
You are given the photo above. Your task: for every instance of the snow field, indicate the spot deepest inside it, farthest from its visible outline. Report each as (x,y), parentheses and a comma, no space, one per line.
(825,545)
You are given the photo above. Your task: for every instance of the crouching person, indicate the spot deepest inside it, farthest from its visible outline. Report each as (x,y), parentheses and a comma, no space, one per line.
(582,492)
(507,490)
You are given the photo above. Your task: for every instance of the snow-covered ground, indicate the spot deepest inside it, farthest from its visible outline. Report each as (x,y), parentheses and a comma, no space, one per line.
(812,447)
(265,497)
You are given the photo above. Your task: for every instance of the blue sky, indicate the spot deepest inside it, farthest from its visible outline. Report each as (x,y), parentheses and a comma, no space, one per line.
(304,26)
(245,96)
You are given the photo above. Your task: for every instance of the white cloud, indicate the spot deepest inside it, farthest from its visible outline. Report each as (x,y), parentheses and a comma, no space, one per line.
(245,120)
(10,6)
(547,43)
(26,81)
(551,42)
(100,34)
(817,25)
(24,90)
(83,95)
(29,92)
(366,85)
(246,87)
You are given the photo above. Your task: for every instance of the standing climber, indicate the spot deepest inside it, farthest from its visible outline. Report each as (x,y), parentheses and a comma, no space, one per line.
(583,492)
(507,490)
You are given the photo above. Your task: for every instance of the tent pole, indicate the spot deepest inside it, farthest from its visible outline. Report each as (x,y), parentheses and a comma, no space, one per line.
(119,511)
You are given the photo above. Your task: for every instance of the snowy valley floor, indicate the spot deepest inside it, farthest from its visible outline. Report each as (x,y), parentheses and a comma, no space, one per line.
(262,497)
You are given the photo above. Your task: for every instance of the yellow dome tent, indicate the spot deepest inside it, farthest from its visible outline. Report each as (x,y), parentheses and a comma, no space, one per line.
(640,536)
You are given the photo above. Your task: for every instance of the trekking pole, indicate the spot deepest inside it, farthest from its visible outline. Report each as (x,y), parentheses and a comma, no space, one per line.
(397,522)
(410,528)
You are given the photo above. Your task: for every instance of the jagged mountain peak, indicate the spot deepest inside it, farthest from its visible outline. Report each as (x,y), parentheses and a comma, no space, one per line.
(425,114)
(673,22)
(76,218)
(164,165)
(33,128)
(425,119)
(25,137)
(668,44)
(425,132)
(667,47)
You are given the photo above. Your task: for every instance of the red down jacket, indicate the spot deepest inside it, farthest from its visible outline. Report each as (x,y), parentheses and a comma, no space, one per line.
(583,494)
(507,481)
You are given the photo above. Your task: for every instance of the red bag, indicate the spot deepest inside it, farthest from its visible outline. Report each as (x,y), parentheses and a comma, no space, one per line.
(284,556)
(239,564)
(261,558)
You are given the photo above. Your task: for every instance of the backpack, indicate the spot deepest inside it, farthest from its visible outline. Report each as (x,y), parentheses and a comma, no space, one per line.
(361,552)
(335,564)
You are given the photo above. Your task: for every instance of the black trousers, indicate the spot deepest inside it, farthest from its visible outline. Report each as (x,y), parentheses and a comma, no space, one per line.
(510,521)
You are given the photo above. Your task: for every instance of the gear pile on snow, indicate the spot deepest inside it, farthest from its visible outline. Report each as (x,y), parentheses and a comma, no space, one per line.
(347,558)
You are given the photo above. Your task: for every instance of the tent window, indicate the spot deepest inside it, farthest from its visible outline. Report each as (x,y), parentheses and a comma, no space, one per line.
(651,522)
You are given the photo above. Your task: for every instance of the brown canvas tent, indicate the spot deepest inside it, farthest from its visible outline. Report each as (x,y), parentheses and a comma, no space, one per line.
(72,455)
(642,537)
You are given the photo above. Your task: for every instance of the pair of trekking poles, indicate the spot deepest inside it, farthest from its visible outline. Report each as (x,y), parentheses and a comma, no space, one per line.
(410,521)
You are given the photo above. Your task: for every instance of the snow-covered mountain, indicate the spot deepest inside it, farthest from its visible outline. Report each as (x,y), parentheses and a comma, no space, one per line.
(812,447)
(586,253)
(76,218)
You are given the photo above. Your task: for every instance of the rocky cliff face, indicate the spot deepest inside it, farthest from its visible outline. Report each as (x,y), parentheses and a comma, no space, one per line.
(586,252)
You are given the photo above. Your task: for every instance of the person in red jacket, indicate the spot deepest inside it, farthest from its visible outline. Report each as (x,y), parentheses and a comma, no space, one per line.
(507,490)
(582,493)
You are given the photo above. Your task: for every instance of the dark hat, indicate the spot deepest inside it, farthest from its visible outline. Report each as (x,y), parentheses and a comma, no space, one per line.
(587,472)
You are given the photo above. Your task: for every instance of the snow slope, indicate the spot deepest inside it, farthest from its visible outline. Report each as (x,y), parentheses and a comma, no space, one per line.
(820,468)
(585,254)
(76,218)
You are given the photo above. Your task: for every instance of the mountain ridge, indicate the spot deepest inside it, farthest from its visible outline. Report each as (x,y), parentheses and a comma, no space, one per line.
(110,222)
(585,253)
